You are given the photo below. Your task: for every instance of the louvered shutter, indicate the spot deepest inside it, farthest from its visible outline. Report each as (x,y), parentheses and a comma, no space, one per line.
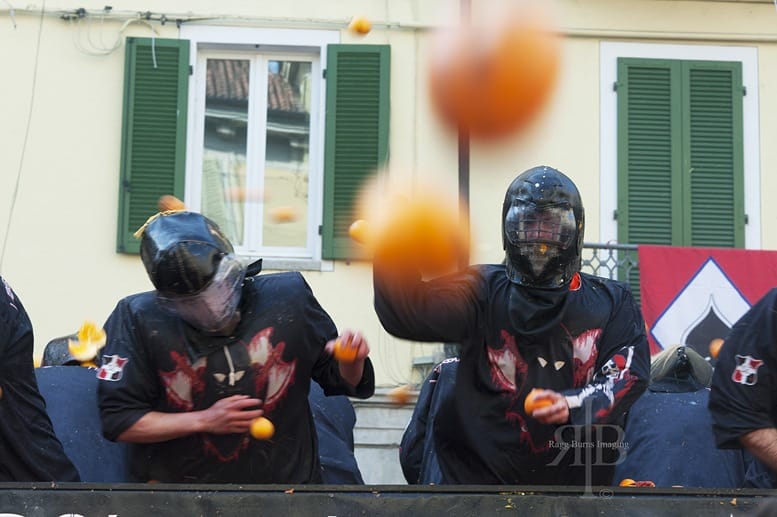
(356,141)
(153,151)
(648,142)
(715,213)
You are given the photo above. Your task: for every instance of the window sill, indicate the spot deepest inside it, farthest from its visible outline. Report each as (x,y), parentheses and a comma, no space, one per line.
(289,264)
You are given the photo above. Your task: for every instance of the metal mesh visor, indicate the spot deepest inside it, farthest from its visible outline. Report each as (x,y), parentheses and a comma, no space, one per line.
(540,235)
(211,308)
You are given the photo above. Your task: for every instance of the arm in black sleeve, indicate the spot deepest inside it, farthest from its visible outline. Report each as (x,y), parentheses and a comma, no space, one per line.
(443,309)
(127,387)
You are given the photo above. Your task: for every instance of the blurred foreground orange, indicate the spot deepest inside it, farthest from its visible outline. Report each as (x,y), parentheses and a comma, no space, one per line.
(412,225)
(344,352)
(493,75)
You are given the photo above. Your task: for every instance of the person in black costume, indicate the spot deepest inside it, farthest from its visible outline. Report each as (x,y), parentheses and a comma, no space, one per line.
(188,367)
(29,448)
(534,322)
(743,400)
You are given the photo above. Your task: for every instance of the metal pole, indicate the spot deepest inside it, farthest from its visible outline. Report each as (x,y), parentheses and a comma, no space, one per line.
(465,7)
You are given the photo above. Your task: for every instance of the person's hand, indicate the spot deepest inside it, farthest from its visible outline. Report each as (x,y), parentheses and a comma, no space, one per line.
(556,413)
(231,415)
(348,347)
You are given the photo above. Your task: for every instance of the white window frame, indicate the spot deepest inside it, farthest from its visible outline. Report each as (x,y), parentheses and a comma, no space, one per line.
(609,53)
(282,43)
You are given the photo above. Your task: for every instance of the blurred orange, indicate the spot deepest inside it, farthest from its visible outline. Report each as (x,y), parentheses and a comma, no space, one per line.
(627,482)
(360,25)
(343,351)
(493,76)
(400,395)
(715,346)
(359,231)
(531,403)
(284,214)
(169,202)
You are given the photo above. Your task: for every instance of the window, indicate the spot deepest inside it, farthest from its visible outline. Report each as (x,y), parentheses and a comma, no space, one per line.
(265,142)
(680,141)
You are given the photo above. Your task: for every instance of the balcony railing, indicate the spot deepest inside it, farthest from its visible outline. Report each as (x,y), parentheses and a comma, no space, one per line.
(615,261)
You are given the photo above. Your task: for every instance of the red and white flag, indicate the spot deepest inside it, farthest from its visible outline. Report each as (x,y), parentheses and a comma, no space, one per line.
(690,296)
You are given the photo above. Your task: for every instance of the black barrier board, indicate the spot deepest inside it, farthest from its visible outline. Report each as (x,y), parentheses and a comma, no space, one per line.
(129,500)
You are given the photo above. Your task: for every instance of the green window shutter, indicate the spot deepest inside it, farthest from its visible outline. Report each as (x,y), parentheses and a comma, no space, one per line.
(680,153)
(714,141)
(356,140)
(153,150)
(648,140)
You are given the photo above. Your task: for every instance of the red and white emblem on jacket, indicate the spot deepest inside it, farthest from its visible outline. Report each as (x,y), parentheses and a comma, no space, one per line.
(746,371)
(112,367)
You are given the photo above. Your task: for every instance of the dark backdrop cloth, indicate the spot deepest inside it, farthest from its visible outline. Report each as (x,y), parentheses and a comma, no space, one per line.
(71,401)
(70,393)
(670,442)
(335,419)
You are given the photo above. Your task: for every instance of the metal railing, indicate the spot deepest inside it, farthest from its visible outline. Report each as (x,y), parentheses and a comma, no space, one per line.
(610,260)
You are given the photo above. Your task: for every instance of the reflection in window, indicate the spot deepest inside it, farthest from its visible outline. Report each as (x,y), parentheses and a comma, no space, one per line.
(255,165)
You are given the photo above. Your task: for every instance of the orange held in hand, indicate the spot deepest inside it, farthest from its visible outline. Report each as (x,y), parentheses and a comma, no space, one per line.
(493,76)
(532,403)
(262,428)
(344,352)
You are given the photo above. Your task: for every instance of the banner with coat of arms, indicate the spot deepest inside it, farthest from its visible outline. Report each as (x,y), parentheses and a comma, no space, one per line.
(691,296)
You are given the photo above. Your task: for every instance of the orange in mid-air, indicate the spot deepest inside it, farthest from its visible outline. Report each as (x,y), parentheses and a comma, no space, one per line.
(284,214)
(262,428)
(400,395)
(532,403)
(360,25)
(359,231)
(169,202)
(493,76)
(715,346)
(627,482)
(344,352)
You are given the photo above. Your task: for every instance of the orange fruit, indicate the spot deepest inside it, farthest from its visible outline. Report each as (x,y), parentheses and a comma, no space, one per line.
(168,202)
(493,76)
(627,482)
(359,231)
(400,395)
(262,428)
(715,346)
(343,352)
(531,403)
(360,25)
(89,340)
(283,214)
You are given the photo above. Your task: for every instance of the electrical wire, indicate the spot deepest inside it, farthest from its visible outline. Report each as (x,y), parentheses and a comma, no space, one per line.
(33,88)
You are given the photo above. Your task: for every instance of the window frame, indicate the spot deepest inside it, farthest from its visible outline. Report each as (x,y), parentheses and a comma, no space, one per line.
(609,54)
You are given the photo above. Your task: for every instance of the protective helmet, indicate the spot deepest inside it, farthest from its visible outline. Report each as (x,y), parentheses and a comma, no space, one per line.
(193,268)
(679,369)
(542,229)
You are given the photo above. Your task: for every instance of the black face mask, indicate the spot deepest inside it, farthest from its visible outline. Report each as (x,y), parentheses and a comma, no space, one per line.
(533,311)
(542,229)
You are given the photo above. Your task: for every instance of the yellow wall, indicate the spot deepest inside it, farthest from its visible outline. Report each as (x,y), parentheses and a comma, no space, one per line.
(60,126)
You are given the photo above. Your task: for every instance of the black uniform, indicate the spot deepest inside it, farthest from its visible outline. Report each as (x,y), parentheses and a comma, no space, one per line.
(744,388)
(588,343)
(155,362)
(29,449)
